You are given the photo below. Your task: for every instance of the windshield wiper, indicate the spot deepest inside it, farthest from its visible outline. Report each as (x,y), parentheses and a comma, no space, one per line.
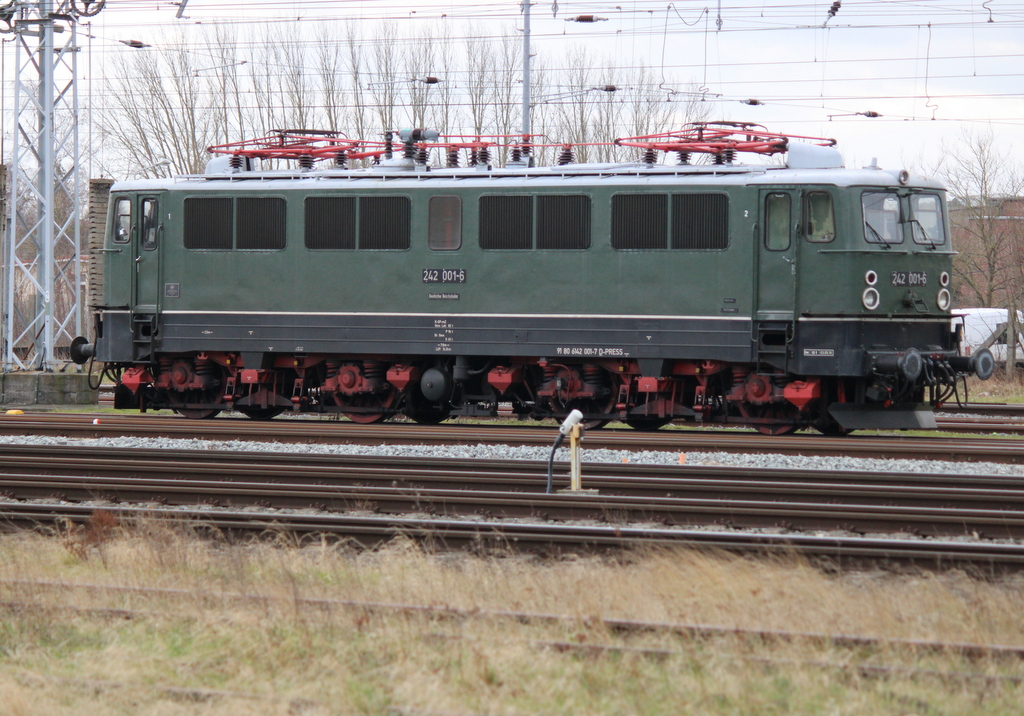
(929,242)
(878,236)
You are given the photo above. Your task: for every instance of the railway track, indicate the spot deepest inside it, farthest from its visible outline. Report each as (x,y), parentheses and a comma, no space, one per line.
(455,503)
(59,591)
(1011,410)
(335,432)
(508,536)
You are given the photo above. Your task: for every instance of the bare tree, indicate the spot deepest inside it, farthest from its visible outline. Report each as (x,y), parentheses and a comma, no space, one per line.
(479,80)
(384,88)
(980,180)
(357,122)
(418,66)
(507,85)
(987,221)
(156,110)
(443,112)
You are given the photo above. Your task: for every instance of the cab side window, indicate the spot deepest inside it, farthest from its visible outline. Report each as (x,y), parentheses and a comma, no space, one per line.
(150,224)
(820,227)
(123,221)
(776,234)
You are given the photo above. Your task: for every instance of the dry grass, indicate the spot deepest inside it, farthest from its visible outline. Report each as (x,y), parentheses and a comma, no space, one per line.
(197,650)
(998,389)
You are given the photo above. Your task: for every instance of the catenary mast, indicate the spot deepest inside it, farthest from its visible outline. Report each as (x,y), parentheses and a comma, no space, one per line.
(42,296)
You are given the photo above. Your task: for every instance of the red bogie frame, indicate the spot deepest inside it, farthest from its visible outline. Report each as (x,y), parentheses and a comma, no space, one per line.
(372,388)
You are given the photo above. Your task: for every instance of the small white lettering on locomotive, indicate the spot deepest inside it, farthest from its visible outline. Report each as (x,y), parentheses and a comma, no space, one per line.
(443,296)
(592,352)
(819,352)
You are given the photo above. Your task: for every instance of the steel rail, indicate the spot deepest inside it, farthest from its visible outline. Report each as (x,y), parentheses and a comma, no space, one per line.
(447,533)
(679,440)
(632,479)
(934,505)
(1010,409)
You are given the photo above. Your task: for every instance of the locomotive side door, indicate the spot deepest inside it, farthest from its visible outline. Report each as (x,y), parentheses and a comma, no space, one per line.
(146,253)
(777,243)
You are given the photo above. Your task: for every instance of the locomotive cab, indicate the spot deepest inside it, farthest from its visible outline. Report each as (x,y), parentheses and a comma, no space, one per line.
(874,302)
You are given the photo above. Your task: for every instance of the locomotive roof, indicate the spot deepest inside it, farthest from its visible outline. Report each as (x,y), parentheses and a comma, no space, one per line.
(578,175)
(572,175)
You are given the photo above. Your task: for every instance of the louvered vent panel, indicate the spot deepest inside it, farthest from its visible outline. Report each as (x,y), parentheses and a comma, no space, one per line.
(563,222)
(384,222)
(330,222)
(700,221)
(640,221)
(506,222)
(208,223)
(261,223)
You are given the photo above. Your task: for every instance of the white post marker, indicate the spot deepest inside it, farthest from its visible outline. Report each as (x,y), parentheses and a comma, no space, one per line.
(575,478)
(574,430)
(567,425)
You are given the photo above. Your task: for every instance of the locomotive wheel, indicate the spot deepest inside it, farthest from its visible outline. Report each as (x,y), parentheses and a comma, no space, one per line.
(178,401)
(832,429)
(374,401)
(429,414)
(647,424)
(261,413)
(424,412)
(587,406)
(591,406)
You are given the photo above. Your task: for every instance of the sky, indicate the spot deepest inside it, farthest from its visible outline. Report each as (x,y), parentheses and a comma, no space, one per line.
(933,70)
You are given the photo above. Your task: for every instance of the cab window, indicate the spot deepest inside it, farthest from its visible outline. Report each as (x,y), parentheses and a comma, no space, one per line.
(123,221)
(776,208)
(150,224)
(926,219)
(820,226)
(882,218)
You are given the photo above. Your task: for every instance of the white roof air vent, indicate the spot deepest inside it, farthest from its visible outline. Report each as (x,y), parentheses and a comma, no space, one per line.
(813,156)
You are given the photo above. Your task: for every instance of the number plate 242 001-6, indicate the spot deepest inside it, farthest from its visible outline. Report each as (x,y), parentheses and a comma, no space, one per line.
(909,278)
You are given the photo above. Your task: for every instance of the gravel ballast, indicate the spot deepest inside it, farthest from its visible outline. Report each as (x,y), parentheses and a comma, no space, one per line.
(507,452)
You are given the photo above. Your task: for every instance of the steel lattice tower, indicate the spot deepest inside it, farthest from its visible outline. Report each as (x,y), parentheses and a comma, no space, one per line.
(42,291)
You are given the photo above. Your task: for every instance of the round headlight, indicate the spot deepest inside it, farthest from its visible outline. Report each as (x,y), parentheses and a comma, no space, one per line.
(943,300)
(871,278)
(870,298)
(944,279)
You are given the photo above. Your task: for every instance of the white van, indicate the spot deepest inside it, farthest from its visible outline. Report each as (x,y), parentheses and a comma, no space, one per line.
(979,324)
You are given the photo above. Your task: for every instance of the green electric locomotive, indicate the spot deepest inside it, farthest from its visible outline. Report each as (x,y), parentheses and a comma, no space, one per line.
(780,297)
